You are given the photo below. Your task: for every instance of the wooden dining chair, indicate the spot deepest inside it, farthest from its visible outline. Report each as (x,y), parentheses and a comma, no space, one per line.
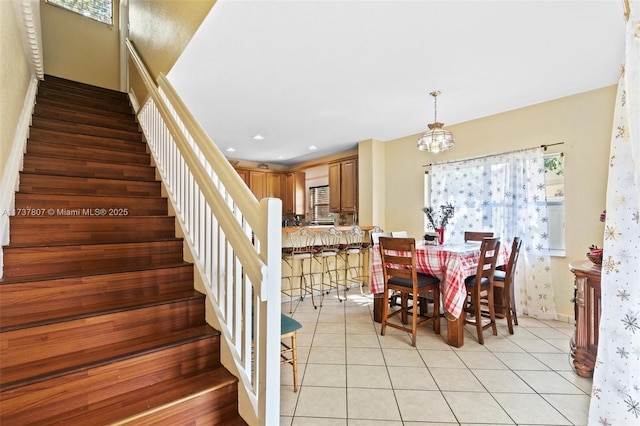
(503,279)
(480,288)
(375,237)
(401,275)
(289,351)
(476,236)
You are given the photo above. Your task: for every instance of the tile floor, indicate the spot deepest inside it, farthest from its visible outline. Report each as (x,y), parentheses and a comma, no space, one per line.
(351,375)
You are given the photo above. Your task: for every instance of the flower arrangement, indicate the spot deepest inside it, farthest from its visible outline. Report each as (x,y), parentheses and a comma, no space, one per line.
(439,219)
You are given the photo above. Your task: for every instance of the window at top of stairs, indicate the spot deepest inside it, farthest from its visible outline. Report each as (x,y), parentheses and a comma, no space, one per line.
(100,10)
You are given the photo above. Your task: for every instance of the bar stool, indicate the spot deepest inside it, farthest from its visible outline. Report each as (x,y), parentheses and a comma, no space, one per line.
(353,268)
(327,257)
(302,247)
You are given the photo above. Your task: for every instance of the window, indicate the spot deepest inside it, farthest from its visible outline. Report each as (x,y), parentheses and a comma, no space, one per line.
(319,203)
(100,10)
(487,179)
(554,179)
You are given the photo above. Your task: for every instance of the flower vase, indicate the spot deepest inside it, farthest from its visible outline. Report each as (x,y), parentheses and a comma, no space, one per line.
(440,232)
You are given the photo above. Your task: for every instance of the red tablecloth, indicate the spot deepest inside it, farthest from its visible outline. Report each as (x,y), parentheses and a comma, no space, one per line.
(450,263)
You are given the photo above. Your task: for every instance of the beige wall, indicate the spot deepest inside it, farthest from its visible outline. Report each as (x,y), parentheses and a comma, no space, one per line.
(583,122)
(80,48)
(15,76)
(160,30)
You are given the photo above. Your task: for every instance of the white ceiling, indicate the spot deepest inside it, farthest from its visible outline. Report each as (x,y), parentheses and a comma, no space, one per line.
(334,73)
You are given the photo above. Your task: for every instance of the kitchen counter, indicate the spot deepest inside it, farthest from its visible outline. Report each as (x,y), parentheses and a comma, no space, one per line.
(321,228)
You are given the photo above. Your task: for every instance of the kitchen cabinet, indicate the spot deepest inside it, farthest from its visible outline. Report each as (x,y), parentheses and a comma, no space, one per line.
(274,185)
(293,202)
(343,186)
(258,184)
(263,184)
(584,344)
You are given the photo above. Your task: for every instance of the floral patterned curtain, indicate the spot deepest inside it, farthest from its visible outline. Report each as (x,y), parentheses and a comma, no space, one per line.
(615,397)
(505,194)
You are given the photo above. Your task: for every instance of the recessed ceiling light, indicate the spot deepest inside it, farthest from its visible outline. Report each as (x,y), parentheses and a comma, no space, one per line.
(231,149)
(280,157)
(312,147)
(258,137)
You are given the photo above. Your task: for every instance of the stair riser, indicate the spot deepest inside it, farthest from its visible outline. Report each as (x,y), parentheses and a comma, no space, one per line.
(79,152)
(84,168)
(76,390)
(55,137)
(136,206)
(43,300)
(51,102)
(85,129)
(57,340)
(53,229)
(73,98)
(47,184)
(211,408)
(83,89)
(61,261)
(79,117)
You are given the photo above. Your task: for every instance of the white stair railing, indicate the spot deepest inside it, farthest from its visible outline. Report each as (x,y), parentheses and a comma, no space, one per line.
(234,239)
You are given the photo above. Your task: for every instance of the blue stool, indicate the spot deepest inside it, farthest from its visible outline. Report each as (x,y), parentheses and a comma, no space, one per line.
(289,328)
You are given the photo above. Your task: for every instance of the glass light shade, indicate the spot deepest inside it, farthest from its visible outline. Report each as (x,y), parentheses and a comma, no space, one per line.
(436,139)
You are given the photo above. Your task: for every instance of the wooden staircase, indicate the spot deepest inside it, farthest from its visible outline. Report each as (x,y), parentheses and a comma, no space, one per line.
(99,320)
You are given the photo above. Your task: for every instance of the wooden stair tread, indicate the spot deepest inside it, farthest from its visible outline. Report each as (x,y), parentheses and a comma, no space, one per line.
(60,166)
(9,281)
(53,102)
(54,112)
(51,80)
(104,226)
(33,320)
(137,205)
(96,258)
(90,141)
(85,129)
(134,405)
(62,150)
(52,184)
(56,366)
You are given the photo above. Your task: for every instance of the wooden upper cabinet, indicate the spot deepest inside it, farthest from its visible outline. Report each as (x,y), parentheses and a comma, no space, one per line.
(343,186)
(258,184)
(334,187)
(294,194)
(244,174)
(274,184)
(349,186)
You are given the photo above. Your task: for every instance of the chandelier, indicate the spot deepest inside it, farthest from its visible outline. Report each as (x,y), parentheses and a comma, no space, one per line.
(435,139)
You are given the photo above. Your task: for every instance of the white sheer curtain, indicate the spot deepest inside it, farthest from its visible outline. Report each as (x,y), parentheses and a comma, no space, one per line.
(505,194)
(615,397)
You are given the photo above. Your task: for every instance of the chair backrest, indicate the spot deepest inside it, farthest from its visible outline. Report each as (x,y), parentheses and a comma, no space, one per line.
(476,236)
(330,240)
(375,237)
(399,259)
(302,240)
(513,260)
(354,237)
(399,234)
(487,262)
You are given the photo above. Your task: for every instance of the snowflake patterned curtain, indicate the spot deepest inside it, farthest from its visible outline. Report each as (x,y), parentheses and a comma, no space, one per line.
(505,194)
(615,397)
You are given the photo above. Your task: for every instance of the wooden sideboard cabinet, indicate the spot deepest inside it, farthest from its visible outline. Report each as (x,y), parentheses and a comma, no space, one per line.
(584,344)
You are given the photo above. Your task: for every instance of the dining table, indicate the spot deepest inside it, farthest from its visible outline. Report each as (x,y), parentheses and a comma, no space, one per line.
(451,263)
